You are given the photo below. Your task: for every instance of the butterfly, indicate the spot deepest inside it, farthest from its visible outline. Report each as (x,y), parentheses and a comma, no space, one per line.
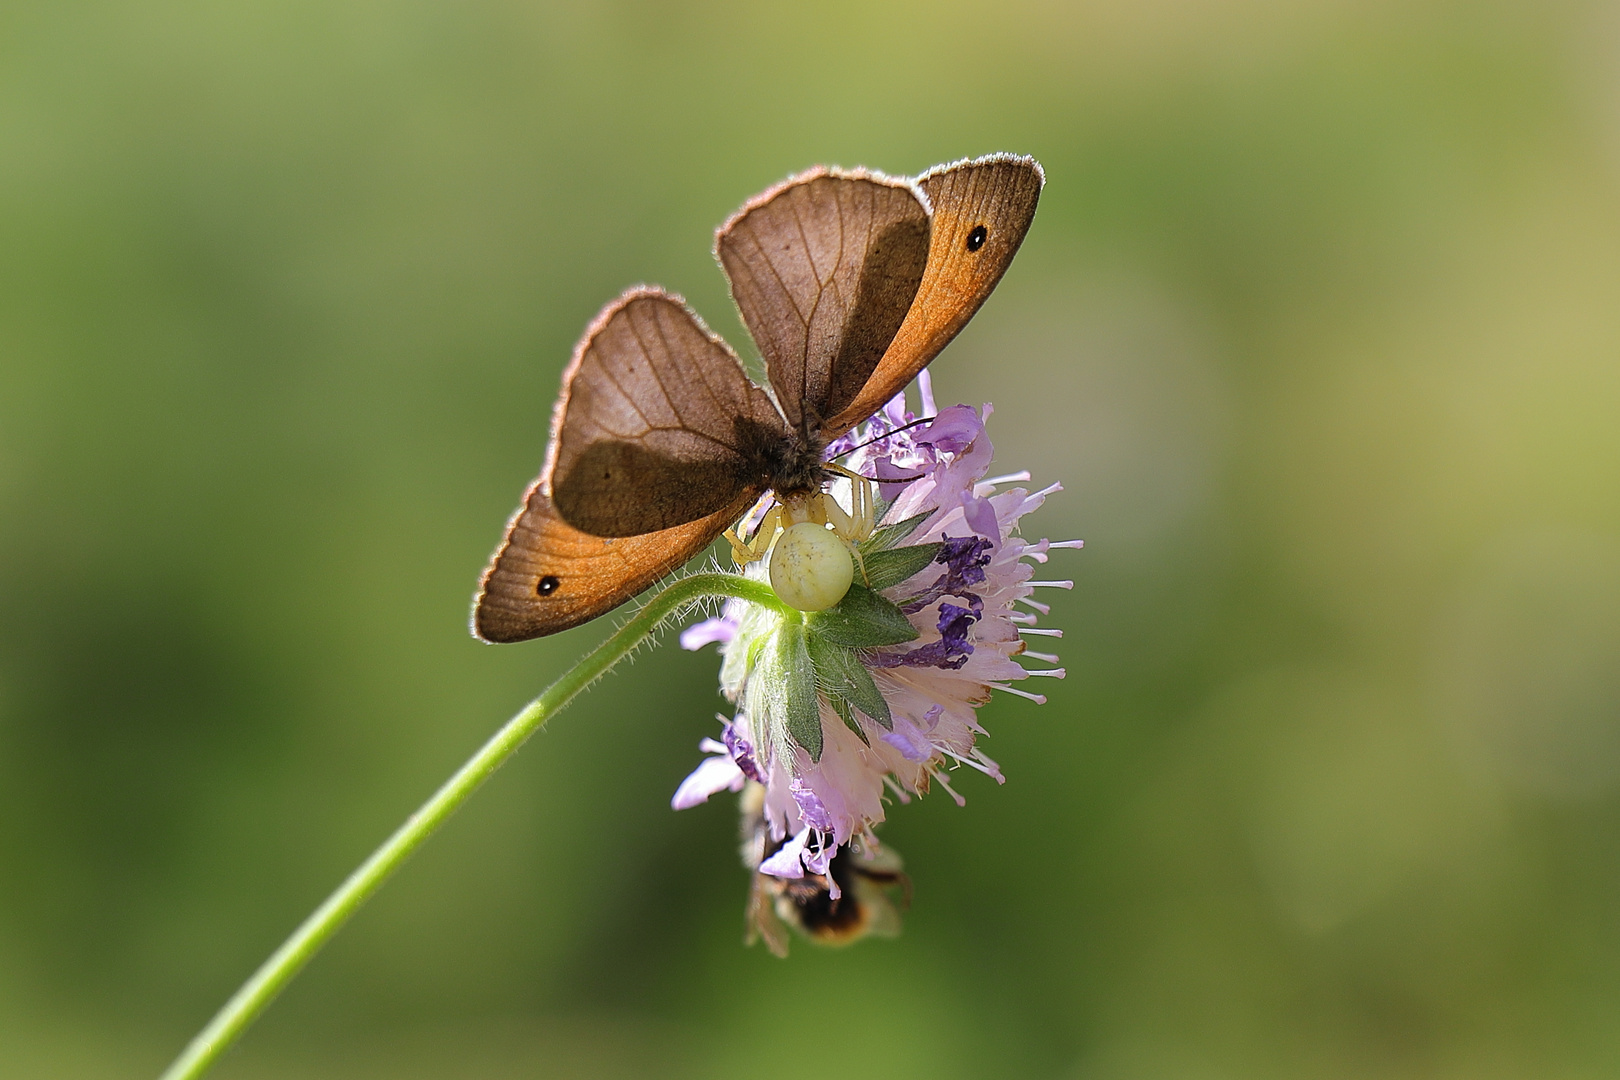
(850,282)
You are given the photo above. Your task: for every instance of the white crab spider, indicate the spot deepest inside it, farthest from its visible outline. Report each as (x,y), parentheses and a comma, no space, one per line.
(812,542)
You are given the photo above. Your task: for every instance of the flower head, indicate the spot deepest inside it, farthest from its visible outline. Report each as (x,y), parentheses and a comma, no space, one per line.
(877,695)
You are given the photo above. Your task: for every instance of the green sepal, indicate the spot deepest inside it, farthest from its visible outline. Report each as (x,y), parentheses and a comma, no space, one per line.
(844,680)
(787,669)
(891,535)
(862,620)
(884,569)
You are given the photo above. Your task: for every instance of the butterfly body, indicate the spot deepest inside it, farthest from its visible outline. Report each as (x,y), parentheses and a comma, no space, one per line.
(849,282)
(799,468)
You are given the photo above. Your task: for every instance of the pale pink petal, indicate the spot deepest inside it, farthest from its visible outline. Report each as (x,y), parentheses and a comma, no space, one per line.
(714,775)
(696,636)
(789,861)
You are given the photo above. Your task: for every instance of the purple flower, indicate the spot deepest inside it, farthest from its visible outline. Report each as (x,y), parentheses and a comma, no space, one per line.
(971,608)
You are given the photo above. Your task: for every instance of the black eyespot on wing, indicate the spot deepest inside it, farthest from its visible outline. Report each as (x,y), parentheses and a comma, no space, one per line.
(977,237)
(547,585)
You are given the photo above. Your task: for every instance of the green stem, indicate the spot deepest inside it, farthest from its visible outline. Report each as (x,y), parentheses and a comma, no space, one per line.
(257,993)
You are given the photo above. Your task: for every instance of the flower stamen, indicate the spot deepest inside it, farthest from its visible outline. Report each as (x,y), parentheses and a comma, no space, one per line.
(1039,699)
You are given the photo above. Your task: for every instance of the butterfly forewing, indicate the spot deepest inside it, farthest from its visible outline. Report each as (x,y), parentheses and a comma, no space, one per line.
(823,269)
(658,425)
(547,576)
(981,211)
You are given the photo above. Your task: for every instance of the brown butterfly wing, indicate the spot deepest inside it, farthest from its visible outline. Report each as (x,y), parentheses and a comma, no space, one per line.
(547,576)
(657,425)
(995,194)
(664,411)
(823,269)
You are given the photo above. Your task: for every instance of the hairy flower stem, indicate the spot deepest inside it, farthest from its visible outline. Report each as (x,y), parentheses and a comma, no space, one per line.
(256,994)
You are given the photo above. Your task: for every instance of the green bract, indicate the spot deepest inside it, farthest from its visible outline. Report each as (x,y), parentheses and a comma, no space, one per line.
(862,620)
(845,682)
(789,660)
(886,569)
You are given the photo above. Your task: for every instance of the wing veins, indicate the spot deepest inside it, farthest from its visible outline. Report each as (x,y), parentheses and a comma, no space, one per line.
(720,406)
(815,306)
(765,256)
(658,375)
(635,407)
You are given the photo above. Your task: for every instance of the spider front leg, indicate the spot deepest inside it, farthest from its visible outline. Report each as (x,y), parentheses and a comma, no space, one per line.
(743,551)
(856,525)
(865,507)
(830,513)
(859,523)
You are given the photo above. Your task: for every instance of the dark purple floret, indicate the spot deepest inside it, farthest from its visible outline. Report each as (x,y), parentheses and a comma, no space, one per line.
(742,753)
(953,647)
(954,623)
(964,559)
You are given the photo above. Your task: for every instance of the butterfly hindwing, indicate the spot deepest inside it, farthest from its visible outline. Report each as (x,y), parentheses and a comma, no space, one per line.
(548,576)
(823,269)
(657,425)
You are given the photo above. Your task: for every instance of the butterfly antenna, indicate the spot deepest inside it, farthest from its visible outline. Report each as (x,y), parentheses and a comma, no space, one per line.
(853,475)
(885,435)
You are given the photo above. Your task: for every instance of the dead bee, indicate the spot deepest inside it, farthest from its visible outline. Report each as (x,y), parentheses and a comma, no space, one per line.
(867,877)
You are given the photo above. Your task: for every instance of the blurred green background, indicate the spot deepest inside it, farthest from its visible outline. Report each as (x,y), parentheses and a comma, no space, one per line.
(1319,325)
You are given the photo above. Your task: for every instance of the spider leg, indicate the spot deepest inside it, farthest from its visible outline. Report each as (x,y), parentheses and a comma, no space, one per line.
(866,507)
(739,550)
(752,550)
(843,524)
